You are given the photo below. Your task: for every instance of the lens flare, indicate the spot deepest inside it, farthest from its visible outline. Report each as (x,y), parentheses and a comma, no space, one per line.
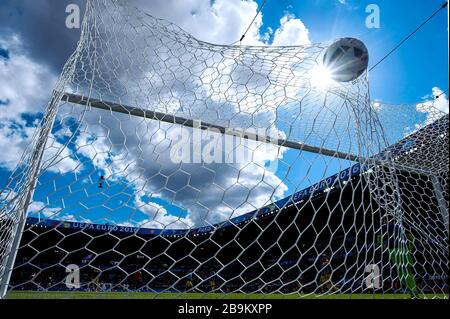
(321,77)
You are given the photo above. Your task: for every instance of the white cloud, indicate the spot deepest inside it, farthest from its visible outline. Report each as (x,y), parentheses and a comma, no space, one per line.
(136,150)
(158,217)
(13,141)
(292,31)
(26,85)
(220,21)
(43,210)
(434,108)
(16,137)
(139,153)
(224,21)
(58,158)
(25,88)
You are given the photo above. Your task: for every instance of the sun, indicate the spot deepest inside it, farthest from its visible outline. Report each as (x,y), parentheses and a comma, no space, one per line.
(321,77)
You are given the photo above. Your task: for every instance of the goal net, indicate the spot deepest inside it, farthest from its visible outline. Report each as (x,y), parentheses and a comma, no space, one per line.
(168,165)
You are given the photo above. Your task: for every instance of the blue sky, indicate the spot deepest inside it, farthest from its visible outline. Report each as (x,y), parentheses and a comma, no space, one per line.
(407,75)
(34,46)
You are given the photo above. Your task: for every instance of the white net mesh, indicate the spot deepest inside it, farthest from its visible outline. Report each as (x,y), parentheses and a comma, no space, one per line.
(165,164)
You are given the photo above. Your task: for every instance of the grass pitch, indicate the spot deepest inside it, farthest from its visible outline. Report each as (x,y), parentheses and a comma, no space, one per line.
(174,295)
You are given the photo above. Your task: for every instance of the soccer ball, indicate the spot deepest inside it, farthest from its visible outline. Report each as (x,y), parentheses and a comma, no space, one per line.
(346,59)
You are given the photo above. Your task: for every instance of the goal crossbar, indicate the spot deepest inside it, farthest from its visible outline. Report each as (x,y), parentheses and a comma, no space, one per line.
(173,119)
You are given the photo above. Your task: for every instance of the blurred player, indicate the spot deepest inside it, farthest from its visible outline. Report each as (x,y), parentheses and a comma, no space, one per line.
(96,280)
(400,253)
(300,284)
(326,284)
(137,278)
(212,280)
(189,283)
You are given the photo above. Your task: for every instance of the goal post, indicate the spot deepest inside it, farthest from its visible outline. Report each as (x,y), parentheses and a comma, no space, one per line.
(18,214)
(16,200)
(168,165)
(443,207)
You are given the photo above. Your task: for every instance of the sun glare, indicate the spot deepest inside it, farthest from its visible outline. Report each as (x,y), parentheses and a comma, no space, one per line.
(321,77)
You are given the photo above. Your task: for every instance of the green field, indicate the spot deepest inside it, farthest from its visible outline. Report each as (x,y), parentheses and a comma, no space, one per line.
(169,295)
